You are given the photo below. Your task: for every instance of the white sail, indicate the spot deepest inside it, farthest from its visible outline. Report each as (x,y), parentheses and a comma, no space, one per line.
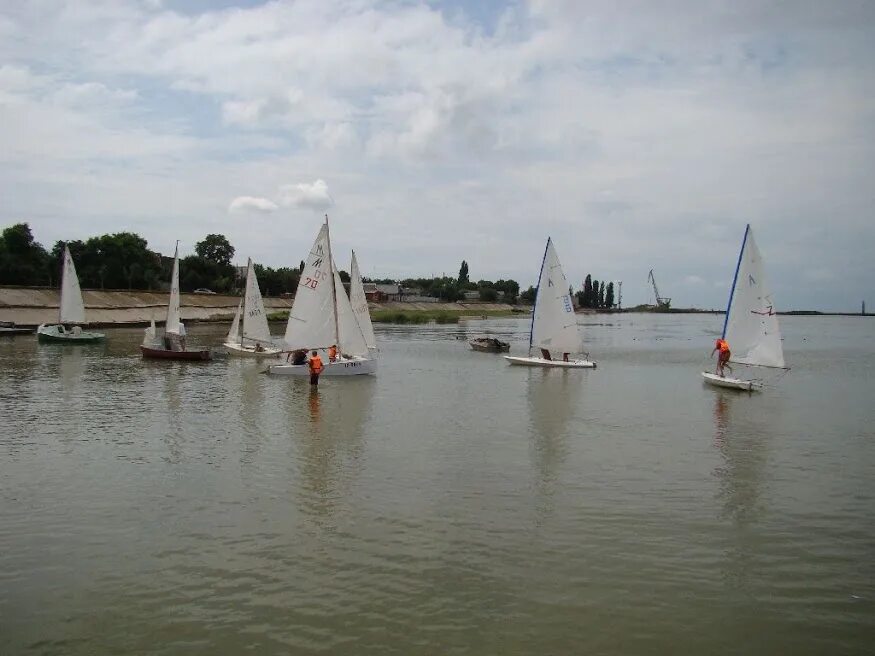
(554,324)
(751,325)
(234,333)
(255,328)
(350,340)
(72,309)
(312,318)
(359,303)
(173,324)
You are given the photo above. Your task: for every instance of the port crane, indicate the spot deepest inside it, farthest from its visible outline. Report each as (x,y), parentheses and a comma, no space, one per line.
(662,302)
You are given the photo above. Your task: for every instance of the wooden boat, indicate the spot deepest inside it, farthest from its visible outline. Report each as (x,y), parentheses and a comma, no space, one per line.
(489,345)
(9,328)
(751,323)
(172,345)
(554,324)
(323,315)
(71,311)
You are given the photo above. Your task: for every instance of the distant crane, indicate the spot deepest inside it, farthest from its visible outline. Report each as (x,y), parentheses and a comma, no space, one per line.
(662,303)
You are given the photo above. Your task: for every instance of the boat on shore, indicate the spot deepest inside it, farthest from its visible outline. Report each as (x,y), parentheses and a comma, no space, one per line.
(71,311)
(172,344)
(554,323)
(751,323)
(489,345)
(9,329)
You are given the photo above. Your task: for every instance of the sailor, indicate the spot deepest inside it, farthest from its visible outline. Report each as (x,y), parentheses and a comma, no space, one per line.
(545,354)
(332,353)
(297,357)
(316,368)
(565,357)
(722,346)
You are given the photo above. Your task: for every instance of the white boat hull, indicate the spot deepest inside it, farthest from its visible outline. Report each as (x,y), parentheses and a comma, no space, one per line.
(351,367)
(731,383)
(541,362)
(248,351)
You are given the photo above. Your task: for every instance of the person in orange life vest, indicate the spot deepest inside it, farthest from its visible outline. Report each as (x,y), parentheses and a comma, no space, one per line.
(722,346)
(332,353)
(316,368)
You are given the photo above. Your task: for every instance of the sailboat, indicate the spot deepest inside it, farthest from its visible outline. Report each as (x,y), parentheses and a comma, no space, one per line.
(71,311)
(751,323)
(322,316)
(254,339)
(554,324)
(172,345)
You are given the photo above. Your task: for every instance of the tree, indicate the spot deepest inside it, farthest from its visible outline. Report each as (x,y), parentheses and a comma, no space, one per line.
(215,248)
(118,261)
(463,273)
(586,301)
(529,295)
(602,295)
(344,276)
(22,260)
(594,294)
(301,267)
(609,296)
(488,294)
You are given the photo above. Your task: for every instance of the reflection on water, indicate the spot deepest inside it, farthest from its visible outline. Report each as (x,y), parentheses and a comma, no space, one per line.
(553,398)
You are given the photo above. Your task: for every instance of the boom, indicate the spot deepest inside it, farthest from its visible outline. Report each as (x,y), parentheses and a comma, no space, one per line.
(661,302)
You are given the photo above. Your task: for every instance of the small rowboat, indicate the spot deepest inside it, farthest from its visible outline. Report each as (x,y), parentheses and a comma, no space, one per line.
(489,345)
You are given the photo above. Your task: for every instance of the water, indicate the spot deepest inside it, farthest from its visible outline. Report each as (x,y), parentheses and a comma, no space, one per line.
(452,504)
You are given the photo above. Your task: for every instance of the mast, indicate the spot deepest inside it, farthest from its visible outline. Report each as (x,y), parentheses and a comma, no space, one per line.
(333,285)
(245,289)
(734,281)
(537,291)
(63,271)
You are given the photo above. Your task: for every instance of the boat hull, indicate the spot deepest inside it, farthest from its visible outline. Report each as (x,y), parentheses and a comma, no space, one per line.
(249,351)
(52,333)
(557,364)
(731,383)
(352,367)
(166,354)
(489,347)
(15,331)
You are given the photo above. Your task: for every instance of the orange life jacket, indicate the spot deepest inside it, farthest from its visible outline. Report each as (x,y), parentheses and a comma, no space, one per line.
(316,365)
(332,353)
(722,344)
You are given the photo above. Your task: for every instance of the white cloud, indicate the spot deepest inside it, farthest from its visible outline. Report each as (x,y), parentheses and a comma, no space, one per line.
(253,204)
(311,195)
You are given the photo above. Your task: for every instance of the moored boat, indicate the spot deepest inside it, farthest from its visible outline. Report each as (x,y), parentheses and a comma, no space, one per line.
(489,345)
(71,311)
(9,328)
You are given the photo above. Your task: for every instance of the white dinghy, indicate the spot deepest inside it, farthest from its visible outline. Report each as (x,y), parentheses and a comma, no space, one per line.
(254,340)
(554,324)
(322,316)
(70,312)
(751,323)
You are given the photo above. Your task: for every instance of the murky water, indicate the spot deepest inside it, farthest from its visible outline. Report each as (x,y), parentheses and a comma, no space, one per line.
(451,504)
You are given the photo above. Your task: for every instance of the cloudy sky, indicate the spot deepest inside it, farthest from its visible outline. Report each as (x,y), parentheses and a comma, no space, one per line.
(637,134)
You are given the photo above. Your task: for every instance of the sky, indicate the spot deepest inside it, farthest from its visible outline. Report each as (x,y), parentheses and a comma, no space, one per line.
(638,135)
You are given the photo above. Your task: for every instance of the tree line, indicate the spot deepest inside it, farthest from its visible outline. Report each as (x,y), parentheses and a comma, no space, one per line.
(596,294)
(451,289)
(123,261)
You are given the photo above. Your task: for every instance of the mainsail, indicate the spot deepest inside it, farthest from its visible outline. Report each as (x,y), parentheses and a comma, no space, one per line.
(751,324)
(173,324)
(554,324)
(359,303)
(72,309)
(312,321)
(255,328)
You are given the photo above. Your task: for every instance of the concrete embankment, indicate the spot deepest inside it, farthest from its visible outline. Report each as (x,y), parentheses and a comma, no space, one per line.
(31,306)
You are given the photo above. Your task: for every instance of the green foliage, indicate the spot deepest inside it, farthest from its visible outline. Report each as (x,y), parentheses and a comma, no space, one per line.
(609,295)
(118,261)
(488,294)
(22,260)
(528,296)
(344,276)
(274,282)
(463,273)
(215,248)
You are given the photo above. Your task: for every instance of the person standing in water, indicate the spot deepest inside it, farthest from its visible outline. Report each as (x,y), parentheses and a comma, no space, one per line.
(316,368)
(722,346)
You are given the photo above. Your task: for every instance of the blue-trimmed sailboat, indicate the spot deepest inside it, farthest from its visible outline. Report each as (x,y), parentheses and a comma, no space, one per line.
(751,323)
(554,323)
